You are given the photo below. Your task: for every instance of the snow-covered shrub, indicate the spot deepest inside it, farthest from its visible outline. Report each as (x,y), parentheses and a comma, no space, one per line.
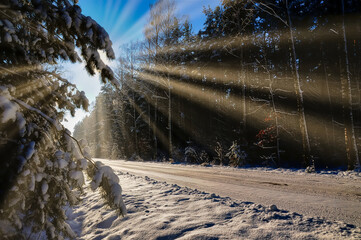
(204,157)
(41,167)
(220,154)
(236,156)
(312,167)
(191,155)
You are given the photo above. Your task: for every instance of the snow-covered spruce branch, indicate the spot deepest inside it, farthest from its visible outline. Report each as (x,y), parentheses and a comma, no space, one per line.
(101,175)
(57,126)
(104,177)
(80,148)
(9,71)
(49,119)
(58,77)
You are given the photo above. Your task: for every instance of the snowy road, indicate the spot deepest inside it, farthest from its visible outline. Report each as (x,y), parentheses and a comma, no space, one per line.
(327,196)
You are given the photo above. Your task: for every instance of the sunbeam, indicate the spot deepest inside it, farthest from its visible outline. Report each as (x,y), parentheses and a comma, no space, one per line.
(268,86)
(208,98)
(234,77)
(246,76)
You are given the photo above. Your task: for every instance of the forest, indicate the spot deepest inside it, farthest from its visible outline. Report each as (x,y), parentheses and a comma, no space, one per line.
(273,83)
(263,84)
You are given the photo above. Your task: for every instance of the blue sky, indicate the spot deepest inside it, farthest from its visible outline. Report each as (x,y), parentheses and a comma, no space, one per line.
(124,21)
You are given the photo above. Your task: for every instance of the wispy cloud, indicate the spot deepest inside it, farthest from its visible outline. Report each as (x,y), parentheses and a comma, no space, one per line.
(134,32)
(183,8)
(127,11)
(115,11)
(108,8)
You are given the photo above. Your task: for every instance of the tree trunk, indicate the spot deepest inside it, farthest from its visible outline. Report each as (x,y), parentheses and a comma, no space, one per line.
(330,108)
(155,129)
(299,95)
(135,127)
(242,76)
(170,118)
(274,110)
(350,139)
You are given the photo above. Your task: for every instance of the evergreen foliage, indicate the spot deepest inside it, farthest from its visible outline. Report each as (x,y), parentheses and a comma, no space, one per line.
(41,167)
(236,156)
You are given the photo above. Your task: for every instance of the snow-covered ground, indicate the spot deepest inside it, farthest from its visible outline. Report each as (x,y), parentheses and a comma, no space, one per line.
(159,210)
(333,196)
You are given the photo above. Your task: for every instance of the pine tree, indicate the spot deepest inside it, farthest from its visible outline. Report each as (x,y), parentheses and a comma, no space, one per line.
(42,164)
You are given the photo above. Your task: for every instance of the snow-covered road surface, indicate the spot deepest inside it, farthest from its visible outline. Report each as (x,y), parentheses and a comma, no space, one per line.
(160,211)
(328,196)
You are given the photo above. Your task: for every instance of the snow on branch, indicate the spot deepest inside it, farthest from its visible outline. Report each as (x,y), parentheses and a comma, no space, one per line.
(104,176)
(49,119)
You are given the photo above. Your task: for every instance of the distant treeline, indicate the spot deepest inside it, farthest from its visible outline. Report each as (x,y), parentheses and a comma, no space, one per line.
(273,83)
